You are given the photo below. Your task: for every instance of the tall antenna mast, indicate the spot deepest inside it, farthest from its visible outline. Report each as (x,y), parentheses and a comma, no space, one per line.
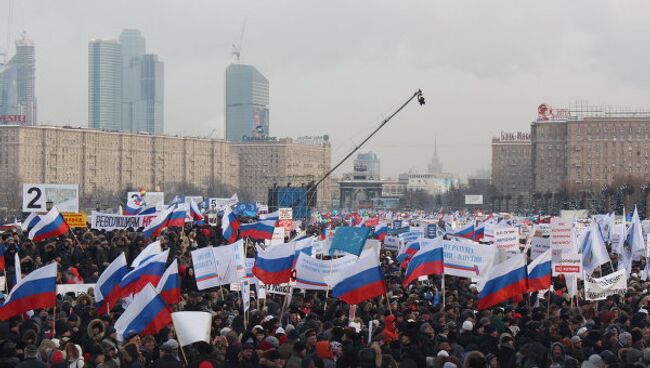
(236,49)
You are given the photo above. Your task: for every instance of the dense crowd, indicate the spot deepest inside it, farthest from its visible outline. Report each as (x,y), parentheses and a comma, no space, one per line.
(409,327)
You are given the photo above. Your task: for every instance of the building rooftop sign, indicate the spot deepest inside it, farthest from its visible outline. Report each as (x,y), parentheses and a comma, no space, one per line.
(515,137)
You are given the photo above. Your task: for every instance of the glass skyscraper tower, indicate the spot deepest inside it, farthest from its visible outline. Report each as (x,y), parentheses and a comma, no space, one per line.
(104,85)
(247,103)
(17,86)
(141,86)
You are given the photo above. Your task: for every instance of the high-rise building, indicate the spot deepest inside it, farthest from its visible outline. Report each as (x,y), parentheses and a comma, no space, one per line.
(104,85)
(511,172)
(17,86)
(141,83)
(247,103)
(435,166)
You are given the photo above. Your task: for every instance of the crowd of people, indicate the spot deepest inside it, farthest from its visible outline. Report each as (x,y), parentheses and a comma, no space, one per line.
(408,327)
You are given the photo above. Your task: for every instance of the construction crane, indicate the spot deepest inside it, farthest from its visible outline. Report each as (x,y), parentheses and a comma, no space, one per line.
(236,49)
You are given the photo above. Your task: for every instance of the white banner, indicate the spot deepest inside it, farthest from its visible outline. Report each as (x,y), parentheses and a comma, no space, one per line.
(612,284)
(65,197)
(310,272)
(562,234)
(566,262)
(506,238)
(465,259)
(473,199)
(107,221)
(192,327)
(411,236)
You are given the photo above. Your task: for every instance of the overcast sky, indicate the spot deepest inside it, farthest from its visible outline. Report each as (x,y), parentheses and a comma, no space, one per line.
(340,67)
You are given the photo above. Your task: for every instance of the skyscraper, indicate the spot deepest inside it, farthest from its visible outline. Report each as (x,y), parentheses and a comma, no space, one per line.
(104,85)
(17,86)
(141,86)
(247,103)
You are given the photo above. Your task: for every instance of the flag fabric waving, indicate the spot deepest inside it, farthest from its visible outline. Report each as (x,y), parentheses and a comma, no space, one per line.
(427,261)
(275,264)
(107,289)
(592,247)
(230,225)
(146,315)
(158,224)
(149,251)
(30,222)
(350,239)
(169,286)
(506,280)
(540,272)
(37,290)
(257,230)
(50,226)
(362,281)
(148,272)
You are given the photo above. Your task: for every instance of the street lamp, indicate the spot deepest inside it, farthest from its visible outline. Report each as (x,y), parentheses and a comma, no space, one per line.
(48,205)
(97,206)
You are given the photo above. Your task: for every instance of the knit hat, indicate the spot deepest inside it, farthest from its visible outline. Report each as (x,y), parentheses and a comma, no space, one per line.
(56,357)
(596,360)
(468,326)
(449,365)
(625,338)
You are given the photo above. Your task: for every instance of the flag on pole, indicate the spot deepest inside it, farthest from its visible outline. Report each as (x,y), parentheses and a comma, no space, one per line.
(146,315)
(150,271)
(427,261)
(275,264)
(36,291)
(362,281)
(504,281)
(192,327)
(540,272)
(107,288)
(50,226)
(169,286)
(149,251)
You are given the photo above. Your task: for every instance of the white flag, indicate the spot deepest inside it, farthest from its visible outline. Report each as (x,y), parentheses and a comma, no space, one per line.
(192,327)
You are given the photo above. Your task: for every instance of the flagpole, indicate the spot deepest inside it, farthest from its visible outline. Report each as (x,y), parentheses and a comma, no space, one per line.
(182,351)
(442,286)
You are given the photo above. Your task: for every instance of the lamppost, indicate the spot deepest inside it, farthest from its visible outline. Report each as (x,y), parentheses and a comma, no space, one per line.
(97,206)
(48,205)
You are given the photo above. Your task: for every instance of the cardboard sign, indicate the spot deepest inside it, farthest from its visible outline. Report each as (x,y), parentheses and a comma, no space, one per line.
(285,213)
(75,220)
(562,234)
(506,238)
(538,246)
(600,288)
(149,199)
(432,231)
(397,224)
(391,243)
(566,262)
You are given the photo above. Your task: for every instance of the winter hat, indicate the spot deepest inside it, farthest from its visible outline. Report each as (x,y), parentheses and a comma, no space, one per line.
(468,326)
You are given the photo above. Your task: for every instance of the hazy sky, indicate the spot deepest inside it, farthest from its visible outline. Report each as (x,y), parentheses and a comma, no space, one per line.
(339,67)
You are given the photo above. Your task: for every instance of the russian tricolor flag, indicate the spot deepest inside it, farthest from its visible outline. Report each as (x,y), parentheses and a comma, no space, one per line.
(380,232)
(169,286)
(30,222)
(362,281)
(465,232)
(506,280)
(229,225)
(429,260)
(107,289)
(150,271)
(158,224)
(50,226)
(540,272)
(146,315)
(3,264)
(177,217)
(37,290)
(275,264)
(407,252)
(132,209)
(258,230)
(195,212)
